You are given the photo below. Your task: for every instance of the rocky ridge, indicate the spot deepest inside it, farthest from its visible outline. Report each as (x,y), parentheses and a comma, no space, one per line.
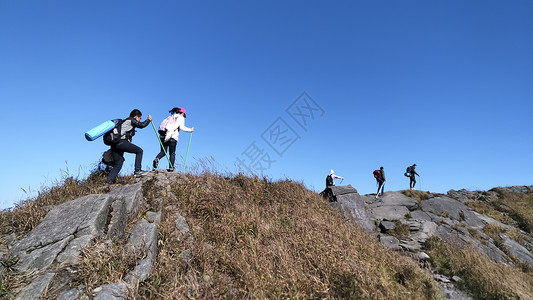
(47,254)
(444,216)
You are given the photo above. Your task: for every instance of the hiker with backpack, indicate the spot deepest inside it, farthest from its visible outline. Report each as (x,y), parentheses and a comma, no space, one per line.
(379,175)
(125,131)
(330,179)
(169,132)
(410,172)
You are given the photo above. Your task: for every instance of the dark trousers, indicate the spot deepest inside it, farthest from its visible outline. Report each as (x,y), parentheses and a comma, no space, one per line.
(118,156)
(381,183)
(412,182)
(170,147)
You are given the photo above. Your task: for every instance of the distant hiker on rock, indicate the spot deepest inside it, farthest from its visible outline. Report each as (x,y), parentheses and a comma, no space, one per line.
(380,178)
(330,179)
(410,172)
(169,132)
(127,131)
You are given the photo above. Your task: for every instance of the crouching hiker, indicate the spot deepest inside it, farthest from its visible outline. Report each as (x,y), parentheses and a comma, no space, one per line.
(124,144)
(169,133)
(330,179)
(380,178)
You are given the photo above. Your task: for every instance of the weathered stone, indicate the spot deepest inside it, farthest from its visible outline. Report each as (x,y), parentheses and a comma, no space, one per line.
(422,256)
(132,195)
(387,225)
(492,221)
(113,291)
(352,207)
(419,215)
(441,278)
(40,258)
(72,294)
(448,207)
(119,219)
(517,250)
(410,243)
(343,190)
(186,255)
(72,252)
(85,215)
(389,212)
(35,289)
(333,192)
(389,241)
(143,237)
(181,224)
(425,230)
(153,217)
(397,199)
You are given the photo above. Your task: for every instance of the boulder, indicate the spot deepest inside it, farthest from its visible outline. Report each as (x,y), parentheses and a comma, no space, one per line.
(448,207)
(352,207)
(36,288)
(132,195)
(85,216)
(517,250)
(389,241)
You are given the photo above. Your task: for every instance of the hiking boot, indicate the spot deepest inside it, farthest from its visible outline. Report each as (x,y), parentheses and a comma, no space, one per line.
(156,162)
(139,173)
(170,169)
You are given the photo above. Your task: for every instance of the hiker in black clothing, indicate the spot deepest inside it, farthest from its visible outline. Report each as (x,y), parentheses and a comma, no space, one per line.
(412,179)
(380,178)
(127,131)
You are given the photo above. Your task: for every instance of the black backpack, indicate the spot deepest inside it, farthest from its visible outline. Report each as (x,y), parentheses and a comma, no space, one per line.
(107,158)
(113,136)
(329,180)
(407,172)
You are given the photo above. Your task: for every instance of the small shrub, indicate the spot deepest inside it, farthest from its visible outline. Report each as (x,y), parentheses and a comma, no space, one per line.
(400,230)
(482,277)
(417,195)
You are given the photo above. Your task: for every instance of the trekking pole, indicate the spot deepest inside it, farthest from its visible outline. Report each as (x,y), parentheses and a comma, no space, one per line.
(419,183)
(341,181)
(187,154)
(379,191)
(161,143)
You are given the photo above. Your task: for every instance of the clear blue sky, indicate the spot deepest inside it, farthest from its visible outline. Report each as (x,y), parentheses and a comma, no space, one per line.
(444,84)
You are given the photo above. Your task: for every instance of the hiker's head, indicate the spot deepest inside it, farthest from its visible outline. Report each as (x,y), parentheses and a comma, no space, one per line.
(330,172)
(182,111)
(414,165)
(136,114)
(174,110)
(381,168)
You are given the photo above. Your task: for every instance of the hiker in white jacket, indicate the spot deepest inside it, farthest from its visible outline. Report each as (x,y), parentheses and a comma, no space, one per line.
(173,127)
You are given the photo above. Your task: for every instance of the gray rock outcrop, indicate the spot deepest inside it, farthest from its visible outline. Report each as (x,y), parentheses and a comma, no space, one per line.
(55,245)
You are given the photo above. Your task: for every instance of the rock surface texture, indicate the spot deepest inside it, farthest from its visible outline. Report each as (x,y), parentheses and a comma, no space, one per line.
(50,254)
(54,246)
(404,223)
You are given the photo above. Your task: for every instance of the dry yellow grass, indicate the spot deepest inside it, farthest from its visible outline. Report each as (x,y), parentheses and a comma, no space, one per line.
(259,239)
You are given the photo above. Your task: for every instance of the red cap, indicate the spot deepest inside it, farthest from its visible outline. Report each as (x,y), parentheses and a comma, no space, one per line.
(182,110)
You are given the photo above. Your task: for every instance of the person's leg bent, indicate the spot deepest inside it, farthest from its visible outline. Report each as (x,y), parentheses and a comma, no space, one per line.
(131,148)
(119,160)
